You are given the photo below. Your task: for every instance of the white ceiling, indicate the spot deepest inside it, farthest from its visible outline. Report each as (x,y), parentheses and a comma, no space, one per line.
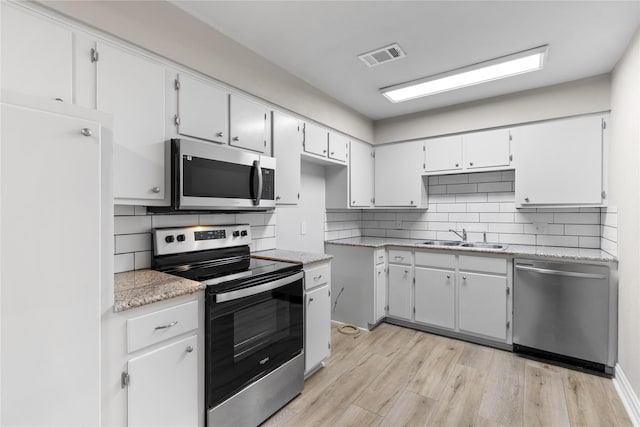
(319,41)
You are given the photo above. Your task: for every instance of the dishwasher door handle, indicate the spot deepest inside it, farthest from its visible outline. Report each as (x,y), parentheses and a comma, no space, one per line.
(560,272)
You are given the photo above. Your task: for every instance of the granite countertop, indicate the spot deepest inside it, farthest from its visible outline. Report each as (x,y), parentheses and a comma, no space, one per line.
(511,250)
(303,258)
(141,287)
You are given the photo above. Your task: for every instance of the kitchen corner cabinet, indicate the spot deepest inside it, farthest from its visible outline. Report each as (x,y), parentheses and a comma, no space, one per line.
(249,124)
(316,140)
(398,181)
(400,285)
(132,88)
(560,162)
(317,333)
(287,144)
(36,55)
(202,109)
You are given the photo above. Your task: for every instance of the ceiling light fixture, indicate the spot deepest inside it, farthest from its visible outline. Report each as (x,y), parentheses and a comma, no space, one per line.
(494,69)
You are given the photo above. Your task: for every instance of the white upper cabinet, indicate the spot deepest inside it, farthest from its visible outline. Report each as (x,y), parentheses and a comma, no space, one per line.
(287,144)
(316,139)
(37,55)
(131,87)
(202,109)
(559,162)
(486,149)
(442,154)
(338,147)
(397,177)
(248,123)
(361,175)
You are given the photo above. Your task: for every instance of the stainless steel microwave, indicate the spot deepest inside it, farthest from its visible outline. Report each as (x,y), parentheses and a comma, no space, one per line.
(205,176)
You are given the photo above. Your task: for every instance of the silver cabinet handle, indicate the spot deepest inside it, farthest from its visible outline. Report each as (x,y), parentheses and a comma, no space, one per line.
(318,277)
(470,163)
(412,202)
(189,349)
(381,257)
(310,300)
(526,199)
(448,276)
(464,277)
(406,272)
(399,257)
(353,203)
(561,273)
(379,273)
(457,164)
(59,100)
(220,134)
(156,189)
(236,138)
(86,132)
(277,197)
(168,325)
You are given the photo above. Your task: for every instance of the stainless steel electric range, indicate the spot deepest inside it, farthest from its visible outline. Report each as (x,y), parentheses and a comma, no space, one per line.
(254,362)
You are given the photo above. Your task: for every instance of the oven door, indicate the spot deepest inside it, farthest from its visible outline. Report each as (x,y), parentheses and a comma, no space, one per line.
(250,332)
(211,177)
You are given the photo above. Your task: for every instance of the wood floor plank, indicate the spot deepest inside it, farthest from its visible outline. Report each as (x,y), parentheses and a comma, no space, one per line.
(483,422)
(616,404)
(382,393)
(584,400)
(503,398)
(544,401)
(431,378)
(476,356)
(393,341)
(355,416)
(410,410)
(461,398)
(280,418)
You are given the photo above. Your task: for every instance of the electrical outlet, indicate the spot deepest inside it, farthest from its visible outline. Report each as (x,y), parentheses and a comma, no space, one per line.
(303,227)
(398,224)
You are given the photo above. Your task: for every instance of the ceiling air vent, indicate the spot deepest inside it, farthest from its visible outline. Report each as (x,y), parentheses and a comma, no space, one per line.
(382,55)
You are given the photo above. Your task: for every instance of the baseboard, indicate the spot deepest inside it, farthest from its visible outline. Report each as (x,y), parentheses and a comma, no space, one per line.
(627,395)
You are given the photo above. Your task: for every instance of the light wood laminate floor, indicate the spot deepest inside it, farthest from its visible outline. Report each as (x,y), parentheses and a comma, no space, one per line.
(395,376)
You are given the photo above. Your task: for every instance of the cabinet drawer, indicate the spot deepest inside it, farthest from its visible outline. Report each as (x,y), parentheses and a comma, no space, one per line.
(316,276)
(152,328)
(380,256)
(430,259)
(400,257)
(484,264)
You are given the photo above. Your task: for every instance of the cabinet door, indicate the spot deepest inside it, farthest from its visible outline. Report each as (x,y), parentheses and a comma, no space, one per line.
(163,390)
(397,181)
(400,281)
(380,293)
(51,174)
(361,174)
(338,147)
(435,297)
(483,305)
(202,109)
(287,143)
(318,327)
(37,55)
(443,154)
(131,88)
(247,124)
(316,139)
(559,162)
(486,149)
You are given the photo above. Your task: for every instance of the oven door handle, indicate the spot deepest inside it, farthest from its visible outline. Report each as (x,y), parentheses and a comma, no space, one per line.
(258,289)
(258,170)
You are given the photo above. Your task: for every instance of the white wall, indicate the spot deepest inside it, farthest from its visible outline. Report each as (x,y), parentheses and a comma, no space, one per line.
(168,31)
(310,209)
(577,97)
(625,193)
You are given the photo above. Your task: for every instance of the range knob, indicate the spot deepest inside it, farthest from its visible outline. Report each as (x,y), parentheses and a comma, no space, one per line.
(236,234)
(168,239)
(181,237)
(243,233)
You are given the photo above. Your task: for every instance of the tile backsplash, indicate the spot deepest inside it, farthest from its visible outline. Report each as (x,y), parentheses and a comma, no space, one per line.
(132,232)
(481,203)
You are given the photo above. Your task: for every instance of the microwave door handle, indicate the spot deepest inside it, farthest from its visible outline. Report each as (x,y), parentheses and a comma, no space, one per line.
(258,169)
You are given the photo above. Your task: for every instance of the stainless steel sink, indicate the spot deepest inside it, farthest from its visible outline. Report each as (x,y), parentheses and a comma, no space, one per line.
(442,243)
(484,245)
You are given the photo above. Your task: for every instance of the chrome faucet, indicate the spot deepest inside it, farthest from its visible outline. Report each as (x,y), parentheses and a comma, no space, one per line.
(463,236)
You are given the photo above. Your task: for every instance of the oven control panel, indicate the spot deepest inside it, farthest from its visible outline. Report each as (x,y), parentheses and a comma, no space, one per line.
(202,237)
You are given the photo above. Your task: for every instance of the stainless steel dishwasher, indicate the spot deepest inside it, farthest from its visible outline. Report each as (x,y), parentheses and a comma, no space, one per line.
(566,312)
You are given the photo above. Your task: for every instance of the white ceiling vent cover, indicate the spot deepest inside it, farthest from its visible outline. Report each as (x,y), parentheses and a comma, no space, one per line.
(382,55)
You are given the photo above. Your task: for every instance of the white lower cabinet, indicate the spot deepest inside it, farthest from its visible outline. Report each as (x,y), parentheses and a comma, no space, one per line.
(163,390)
(380,295)
(483,305)
(400,287)
(317,327)
(435,297)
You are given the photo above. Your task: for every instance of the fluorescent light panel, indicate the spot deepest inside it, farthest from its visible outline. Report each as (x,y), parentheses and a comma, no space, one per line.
(495,69)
